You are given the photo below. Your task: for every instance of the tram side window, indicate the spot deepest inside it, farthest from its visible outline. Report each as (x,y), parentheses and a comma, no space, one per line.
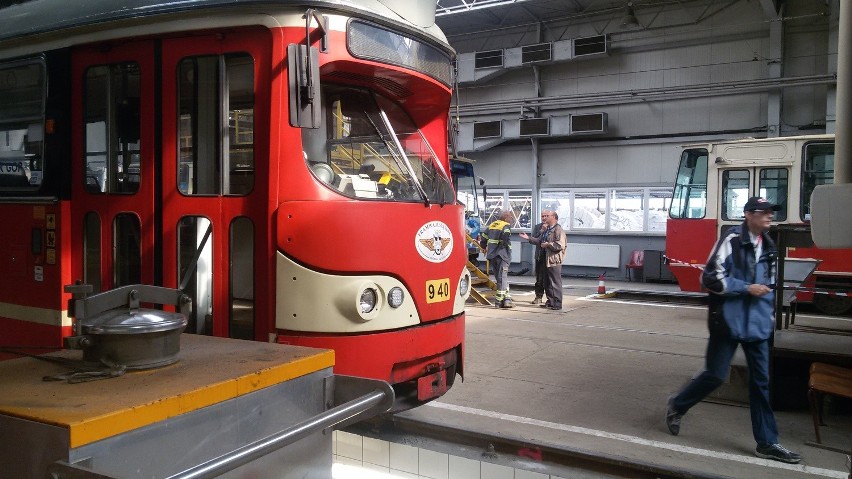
(735,193)
(773,186)
(127,247)
(22,99)
(195,270)
(216,125)
(242,279)
(817,169)
(92,251)
(689,199)
(111,110)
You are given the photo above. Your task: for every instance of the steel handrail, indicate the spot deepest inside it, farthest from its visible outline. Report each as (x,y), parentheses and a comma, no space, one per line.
(262,447)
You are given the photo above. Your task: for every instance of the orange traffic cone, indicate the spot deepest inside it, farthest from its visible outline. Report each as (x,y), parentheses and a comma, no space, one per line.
(601,284)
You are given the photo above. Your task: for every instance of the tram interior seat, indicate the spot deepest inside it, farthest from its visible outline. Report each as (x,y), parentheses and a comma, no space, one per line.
(360,186)
(637,262)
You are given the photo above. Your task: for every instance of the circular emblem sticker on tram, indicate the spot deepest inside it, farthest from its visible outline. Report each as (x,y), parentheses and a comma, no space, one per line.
(434,241)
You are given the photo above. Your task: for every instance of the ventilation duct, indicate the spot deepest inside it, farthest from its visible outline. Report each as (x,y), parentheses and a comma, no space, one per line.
(534,126)
(487,129)
(489,59)
(588,123)
(485,65)
(536,53)
(588,46)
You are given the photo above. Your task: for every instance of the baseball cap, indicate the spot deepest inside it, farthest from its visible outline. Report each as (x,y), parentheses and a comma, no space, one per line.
(757,203)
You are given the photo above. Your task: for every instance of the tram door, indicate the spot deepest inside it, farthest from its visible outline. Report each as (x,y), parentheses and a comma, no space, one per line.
(112,173)
(215,96)
(739,184)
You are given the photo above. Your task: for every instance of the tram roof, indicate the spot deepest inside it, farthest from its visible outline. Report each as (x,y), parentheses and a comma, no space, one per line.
(826,136)
(27,18)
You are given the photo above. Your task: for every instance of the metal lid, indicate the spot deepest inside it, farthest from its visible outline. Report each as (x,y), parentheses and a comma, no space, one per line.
(133,321)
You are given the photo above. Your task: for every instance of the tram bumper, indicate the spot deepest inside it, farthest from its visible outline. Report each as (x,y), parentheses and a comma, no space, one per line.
(420,362)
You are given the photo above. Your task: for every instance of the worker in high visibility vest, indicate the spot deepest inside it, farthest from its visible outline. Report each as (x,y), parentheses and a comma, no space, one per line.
(499,253)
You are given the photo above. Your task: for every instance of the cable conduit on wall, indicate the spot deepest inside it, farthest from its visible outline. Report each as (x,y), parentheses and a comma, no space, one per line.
(651,94)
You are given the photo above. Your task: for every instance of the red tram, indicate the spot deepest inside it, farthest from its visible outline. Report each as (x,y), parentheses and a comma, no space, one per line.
(283,163)
(714,180)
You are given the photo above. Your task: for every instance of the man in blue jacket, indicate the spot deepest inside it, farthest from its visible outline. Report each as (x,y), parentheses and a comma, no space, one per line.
(739,275)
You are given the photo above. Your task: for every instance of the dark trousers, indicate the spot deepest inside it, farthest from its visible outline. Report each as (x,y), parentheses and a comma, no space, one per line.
(501,277)
(540,275)
(720,350)
(553,285)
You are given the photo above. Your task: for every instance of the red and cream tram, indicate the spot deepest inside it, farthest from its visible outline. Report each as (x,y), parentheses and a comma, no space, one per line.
(283,163)
(713,182)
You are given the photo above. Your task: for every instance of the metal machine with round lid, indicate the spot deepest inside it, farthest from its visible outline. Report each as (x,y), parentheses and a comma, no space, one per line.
(112,328)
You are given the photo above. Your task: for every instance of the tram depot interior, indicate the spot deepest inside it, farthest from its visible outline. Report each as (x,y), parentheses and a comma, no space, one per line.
(654,76)
(584,106)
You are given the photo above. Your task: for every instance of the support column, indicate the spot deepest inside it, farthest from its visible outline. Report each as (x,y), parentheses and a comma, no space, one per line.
(774,67)
(535,210)
(833,43)
(843,138)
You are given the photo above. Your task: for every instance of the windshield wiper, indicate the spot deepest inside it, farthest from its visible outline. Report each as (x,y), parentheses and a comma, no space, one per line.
(399,156)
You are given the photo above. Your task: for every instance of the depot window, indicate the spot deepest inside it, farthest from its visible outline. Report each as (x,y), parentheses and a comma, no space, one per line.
(216,125)
(23,88)
(628,210)
(518,202)
(589,211)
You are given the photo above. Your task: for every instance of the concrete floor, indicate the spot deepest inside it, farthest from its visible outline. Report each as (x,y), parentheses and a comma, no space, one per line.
(596,377)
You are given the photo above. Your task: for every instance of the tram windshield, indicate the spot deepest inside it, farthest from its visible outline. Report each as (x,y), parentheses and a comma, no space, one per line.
(368,147)
(22,91)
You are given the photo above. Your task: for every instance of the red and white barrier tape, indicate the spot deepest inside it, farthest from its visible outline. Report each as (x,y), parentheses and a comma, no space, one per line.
(678,262)
(842,294)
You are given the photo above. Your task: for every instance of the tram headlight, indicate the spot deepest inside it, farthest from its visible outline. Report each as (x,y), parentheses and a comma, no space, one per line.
(369,299)
(395,297)
(464,285)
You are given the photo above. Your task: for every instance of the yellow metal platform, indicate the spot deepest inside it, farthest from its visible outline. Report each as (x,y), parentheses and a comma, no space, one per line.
(210,371)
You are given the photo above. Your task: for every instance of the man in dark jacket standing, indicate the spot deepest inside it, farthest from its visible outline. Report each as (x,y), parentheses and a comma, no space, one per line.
(539,257)
(739,274)
(551,242)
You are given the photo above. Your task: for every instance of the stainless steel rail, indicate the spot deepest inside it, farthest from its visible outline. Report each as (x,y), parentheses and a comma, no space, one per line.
(257,449)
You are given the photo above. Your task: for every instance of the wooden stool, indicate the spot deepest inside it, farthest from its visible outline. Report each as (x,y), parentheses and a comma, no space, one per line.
(826,379)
